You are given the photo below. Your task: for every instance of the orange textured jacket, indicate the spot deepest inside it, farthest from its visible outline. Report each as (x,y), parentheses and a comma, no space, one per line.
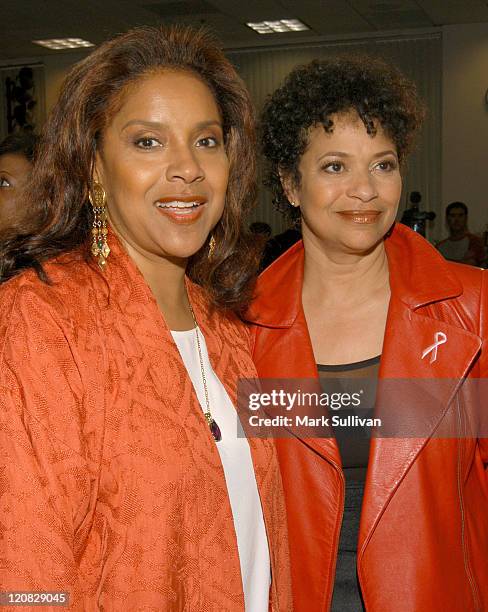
(423,541)
(111,484)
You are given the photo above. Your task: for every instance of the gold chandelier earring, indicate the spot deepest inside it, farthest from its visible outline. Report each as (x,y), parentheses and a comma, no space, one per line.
(211,247)
(99,248)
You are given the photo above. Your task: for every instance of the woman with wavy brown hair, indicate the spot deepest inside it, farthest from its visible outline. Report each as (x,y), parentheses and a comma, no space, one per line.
(126,484)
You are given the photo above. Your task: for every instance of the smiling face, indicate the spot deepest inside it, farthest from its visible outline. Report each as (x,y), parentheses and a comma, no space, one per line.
(164,168)
(14,171)
(349,189)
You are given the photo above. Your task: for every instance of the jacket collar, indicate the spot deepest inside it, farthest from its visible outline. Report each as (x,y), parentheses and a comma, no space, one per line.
(411,260)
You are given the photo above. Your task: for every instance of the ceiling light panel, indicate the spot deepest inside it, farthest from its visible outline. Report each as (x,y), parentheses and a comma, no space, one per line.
(64,43)
(277,26)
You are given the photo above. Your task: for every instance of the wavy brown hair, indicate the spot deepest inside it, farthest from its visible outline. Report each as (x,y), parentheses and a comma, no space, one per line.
(57,196)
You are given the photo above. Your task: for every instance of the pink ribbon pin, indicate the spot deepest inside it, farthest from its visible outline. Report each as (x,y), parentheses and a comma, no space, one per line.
(440,338)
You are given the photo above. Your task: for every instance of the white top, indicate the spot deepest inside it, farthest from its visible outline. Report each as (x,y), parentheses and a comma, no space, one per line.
(455,250)
(235,455)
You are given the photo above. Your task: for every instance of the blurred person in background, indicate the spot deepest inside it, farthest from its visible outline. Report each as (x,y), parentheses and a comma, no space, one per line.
(260,228)
(278,244)
(392,523)
(16,158)
(124,482)
(461,245)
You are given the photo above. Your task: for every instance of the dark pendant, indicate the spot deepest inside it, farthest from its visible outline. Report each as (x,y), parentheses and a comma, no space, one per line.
(215,429)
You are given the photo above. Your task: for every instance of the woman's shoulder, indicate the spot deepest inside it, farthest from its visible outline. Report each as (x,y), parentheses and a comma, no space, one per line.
(26,301)
(467,274)
(45,365)
(474,282)
(463,303)
(68,277)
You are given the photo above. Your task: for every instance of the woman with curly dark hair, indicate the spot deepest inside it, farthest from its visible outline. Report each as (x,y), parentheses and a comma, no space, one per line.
(125,485)
(395,523)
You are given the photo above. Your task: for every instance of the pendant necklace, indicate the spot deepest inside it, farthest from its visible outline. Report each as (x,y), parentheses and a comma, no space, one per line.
(212,423)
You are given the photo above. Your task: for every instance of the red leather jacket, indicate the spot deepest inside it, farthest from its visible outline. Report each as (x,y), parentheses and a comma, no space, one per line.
(423,541)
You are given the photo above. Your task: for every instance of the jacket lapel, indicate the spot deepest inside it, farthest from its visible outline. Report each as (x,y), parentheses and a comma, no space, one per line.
(419,280)
(155,347)
(228,350)
(278,305)
(230,361)
(417,345)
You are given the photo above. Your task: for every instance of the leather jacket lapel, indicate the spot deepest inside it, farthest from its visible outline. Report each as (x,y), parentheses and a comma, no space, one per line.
(409,336)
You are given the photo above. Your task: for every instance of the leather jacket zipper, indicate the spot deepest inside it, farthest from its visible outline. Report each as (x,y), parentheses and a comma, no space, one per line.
(335,546)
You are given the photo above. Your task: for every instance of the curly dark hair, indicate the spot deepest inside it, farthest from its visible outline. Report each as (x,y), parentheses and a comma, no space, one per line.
(23,143)
(378,92)
(61,217)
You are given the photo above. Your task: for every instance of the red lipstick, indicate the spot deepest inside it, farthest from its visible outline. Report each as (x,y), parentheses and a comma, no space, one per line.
(183,209)
(360,217)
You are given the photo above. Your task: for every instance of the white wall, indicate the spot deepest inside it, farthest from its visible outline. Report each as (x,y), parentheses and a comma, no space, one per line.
(56,68)
(465,120)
